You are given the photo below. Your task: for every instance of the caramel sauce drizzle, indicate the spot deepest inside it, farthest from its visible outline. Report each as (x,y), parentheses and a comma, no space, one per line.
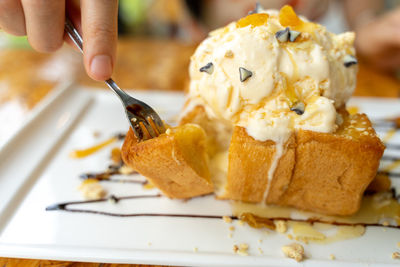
(82,153)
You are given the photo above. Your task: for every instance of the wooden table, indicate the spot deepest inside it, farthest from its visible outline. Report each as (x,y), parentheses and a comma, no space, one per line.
(174,58)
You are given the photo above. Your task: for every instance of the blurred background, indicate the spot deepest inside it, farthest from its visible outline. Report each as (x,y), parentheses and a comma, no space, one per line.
(157,38)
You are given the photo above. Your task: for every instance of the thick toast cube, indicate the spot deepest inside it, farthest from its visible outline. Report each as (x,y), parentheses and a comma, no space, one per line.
(321,172)
(176,162)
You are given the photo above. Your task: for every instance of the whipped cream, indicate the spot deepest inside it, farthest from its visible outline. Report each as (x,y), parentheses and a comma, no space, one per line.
(309,70)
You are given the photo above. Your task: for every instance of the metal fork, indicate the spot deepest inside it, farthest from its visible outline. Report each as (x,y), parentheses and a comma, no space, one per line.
(145,122)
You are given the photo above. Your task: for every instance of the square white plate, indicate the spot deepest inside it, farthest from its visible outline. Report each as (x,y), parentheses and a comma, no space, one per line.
(36,171)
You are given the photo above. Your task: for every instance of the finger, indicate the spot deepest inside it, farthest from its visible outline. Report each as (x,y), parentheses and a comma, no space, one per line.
(12,17)
(100,30)
(44,22)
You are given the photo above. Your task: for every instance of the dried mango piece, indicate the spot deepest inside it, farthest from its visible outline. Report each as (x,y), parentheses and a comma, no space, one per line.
(253,20)
(288,18)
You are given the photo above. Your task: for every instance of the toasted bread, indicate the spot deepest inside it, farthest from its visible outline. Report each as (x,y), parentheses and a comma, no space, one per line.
(176,162)
(321,172)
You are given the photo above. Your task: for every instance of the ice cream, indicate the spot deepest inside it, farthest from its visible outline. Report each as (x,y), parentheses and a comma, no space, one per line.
(272,73)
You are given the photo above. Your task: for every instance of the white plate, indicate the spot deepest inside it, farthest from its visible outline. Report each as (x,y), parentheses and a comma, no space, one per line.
(36,171)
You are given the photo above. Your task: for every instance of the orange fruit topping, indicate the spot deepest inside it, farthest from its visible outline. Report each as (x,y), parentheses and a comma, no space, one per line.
(288,18)
(253,20)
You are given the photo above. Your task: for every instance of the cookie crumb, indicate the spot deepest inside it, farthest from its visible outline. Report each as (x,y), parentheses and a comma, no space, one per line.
(260,250)
(243,249)
(290,236)
(229,54)
(230,235)
(398,244)
(231,228)
(125,169)
(332,257)
(195,249)
(281,226)
(260,241)
(149,244)
(396,255)
(91,189)
(227,219)
(235,248)
(385,223)
(240,222)
(294,251)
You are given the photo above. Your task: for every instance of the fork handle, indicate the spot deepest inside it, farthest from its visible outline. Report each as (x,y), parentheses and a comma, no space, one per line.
(77,39)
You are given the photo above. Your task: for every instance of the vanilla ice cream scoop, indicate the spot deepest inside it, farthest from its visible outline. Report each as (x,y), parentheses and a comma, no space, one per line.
(272,73)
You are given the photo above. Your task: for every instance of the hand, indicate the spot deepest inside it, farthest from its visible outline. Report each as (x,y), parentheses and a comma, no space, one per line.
(43,22)
(379,41)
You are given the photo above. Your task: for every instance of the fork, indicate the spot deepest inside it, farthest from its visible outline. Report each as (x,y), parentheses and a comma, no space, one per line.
(145,122)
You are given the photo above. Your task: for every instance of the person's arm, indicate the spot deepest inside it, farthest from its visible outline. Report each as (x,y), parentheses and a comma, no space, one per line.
(43,22)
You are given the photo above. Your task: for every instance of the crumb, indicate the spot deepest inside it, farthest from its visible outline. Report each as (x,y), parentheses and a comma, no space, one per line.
(332,257)
(125,169)
(398,244)
(396,255)
(230,235)
(290,236)
(240,222)
(227,219)
(260,241)
(243,249)
(385,223)
(96,134)
(281,226)
(149,244)
(260,250)
(195,249)
(294,251)
(231,228)
(92,189)
(229,54)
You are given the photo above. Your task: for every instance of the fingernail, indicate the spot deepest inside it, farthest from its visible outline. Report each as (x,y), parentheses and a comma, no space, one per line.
(100,67)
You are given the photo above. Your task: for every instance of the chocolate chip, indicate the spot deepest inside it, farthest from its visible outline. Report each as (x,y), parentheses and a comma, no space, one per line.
(244,74)
(283,35)
(349,60)
(298,107)
(209,68)
(293,35)
(257,9)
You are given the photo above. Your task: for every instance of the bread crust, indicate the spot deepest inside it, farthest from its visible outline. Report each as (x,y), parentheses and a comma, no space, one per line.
(177,169)
(321,172)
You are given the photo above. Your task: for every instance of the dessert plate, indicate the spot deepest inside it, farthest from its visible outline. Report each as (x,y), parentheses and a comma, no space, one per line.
(36,172)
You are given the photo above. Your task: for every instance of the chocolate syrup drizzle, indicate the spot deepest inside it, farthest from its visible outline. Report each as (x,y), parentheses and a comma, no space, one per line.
(115,199)
(64,207)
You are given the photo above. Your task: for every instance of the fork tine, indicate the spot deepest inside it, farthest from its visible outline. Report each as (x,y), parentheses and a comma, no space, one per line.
(159,125)
(137,130)
(149,129)
(153,125)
